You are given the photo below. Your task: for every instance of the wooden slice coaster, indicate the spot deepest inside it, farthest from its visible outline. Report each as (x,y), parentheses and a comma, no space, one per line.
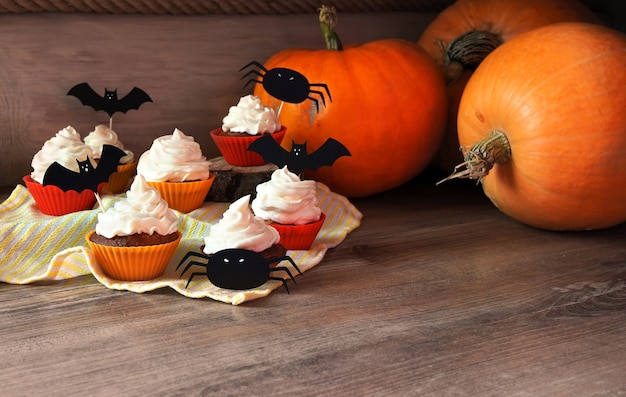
(233,182)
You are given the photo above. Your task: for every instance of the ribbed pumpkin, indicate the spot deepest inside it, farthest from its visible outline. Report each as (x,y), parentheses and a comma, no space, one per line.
(462,35)
(388,108)
(543,119)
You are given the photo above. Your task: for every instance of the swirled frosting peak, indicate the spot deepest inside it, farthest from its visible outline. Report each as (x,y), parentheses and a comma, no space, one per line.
(239,228)
(251,117)
(66,148)
(174,158)
(103,135)
(142,211)
(286,199)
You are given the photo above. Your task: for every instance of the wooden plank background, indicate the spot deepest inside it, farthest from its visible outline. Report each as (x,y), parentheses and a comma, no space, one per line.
(188,64)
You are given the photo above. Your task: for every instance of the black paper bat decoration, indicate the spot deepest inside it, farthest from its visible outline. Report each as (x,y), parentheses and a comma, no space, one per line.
(87,177)
(298,159)
(109,102)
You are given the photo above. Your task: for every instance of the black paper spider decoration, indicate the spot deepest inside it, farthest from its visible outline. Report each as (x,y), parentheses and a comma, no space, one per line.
(237,269)
(286,84)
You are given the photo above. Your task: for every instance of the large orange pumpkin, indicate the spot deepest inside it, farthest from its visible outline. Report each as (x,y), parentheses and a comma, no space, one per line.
(543,119)
(462,35)
(388,108)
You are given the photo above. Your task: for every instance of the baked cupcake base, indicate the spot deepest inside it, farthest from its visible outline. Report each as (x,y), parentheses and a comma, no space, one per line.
(134,240)
(275,251)
(133,263)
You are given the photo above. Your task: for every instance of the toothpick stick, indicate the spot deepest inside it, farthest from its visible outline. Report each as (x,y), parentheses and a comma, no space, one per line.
(99,200)
(280,108)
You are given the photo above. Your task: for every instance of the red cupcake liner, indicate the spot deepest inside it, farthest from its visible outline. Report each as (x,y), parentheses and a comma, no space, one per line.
(184,196)
(52,200)
(299,237)
(235,148)
(138,263)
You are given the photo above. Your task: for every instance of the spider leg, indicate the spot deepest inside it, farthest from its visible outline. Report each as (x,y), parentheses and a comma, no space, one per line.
(188,255)
(251,81)
(320,93)
(284,269)
(285,258)
(325,87)
(255,63)
(283,281)
(317,104)
(194,274)
(256,72)
(193,263)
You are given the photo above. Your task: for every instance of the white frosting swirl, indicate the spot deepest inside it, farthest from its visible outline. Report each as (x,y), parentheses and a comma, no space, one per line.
(286,199)
(174,158)
(142,211)
(239,228)
(66,147)
(250,116)
(103,135)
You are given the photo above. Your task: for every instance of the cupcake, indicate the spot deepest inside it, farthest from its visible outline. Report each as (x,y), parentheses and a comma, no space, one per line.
(289,205)
(245,123)
(136,238)
(67,149)
(175,166)
(239,228)
(103,135)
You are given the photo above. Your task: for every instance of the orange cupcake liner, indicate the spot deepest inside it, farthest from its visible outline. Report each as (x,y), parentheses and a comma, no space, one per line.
(184,196)
(134,263)
(118,181)
(52,200)
(299,237)
(235,148)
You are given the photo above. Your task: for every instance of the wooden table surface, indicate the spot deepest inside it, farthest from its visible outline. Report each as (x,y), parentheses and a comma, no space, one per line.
(437,293)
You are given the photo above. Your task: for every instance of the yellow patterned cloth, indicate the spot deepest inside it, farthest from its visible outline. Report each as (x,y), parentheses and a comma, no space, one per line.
(36,247)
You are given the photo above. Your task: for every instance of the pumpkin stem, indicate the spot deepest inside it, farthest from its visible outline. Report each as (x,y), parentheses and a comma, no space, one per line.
(328,20)
(481,157)
(467,51)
